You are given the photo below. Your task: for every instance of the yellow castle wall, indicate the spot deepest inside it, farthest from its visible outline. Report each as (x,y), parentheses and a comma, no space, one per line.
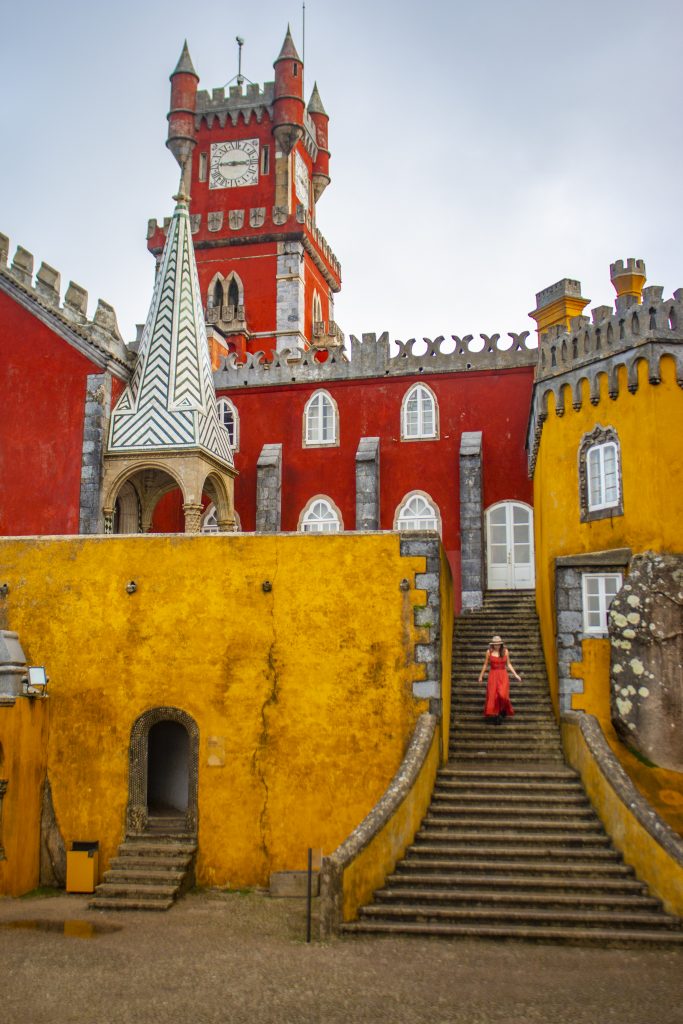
(302,696)
(648,424)
(23,753)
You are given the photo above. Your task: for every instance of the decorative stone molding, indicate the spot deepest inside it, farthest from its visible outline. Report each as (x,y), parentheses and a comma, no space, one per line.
(398,790)
(599,435)
(569,571)
(427,617)
(138,757)
(370,356)
(568,360)
(13,667)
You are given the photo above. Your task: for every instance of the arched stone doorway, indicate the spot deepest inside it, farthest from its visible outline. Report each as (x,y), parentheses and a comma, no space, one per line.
(163,770)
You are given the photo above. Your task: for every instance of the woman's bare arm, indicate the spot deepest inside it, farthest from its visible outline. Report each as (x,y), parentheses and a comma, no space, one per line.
(483,667)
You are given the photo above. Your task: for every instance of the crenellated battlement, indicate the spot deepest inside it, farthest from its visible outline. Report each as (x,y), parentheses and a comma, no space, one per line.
(41,294)
(371,356)
(613,339)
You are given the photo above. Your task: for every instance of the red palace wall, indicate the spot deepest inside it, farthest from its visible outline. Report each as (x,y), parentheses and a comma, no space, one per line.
(43,386)
(495,403)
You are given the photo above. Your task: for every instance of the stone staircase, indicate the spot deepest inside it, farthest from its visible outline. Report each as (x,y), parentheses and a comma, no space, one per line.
(149,871)
(511,847)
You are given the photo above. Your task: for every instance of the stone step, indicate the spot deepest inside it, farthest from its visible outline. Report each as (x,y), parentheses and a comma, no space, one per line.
(532,883)
(512,847)
(129,903)
(145,848)
(121,875)
(485,863)
(492,835)
(464,897)
(527,915)
(473,804)
(149,863)
(561,822)
(547,933)
(133,890)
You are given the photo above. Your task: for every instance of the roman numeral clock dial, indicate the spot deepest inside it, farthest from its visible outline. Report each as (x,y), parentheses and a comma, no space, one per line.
(234,164)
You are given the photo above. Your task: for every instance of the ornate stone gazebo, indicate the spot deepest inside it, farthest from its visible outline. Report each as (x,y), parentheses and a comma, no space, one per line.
(165,431)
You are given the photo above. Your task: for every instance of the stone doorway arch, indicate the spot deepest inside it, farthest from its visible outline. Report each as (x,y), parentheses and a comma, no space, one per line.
(137,813)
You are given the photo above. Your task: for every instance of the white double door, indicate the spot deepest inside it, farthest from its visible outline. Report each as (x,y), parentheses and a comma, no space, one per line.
(510,546)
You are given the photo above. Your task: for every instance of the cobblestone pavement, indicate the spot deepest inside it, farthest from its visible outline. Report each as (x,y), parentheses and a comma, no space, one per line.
(230,957)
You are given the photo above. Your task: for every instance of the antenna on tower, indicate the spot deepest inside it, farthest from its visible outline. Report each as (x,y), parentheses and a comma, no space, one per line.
(303,33)
(239,77)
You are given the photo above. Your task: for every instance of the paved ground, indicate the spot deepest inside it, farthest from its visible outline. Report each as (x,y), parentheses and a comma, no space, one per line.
(241,958)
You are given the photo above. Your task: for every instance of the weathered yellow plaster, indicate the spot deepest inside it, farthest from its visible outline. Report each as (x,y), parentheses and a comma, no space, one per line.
(368,871)
(651,862)
(23,753)
(302,695)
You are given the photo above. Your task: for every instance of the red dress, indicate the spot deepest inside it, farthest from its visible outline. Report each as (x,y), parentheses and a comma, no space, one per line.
(498,688)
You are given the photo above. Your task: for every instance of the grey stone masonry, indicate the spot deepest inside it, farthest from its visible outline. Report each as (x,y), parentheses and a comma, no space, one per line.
(290,294)
(471,519)
(97,412)
(269,489)
(367,484)
(569,572)
(371,356)
(590,350)
(428,653)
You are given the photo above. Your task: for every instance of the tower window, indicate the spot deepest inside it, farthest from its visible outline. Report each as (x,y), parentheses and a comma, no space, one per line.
(217,294)
(295,70)
(265,159)
(229,417)
(233,293)
(202,166)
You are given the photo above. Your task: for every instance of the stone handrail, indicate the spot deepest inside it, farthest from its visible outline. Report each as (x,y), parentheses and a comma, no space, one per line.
(360,864)
(646,841)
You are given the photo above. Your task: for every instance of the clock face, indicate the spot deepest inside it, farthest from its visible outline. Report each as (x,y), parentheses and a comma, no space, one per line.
(301,180)
(234,164)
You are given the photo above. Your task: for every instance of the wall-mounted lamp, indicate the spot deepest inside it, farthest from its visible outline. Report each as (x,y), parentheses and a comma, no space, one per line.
(35,683)
(131,587)
(266,586)
(4,589)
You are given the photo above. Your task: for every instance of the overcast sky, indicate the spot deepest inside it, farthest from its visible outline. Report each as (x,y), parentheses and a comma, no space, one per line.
(480,151)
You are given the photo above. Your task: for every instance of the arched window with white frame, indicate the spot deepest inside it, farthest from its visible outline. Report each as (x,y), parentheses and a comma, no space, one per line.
(417,511)
(209,521)
(419,414)
(600,490)
(230,418)
(321,421)
(320,515)
(317,308)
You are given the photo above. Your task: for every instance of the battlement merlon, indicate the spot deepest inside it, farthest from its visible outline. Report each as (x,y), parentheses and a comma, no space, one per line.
(254,102)
(557,304)
(371,356)
(99,339)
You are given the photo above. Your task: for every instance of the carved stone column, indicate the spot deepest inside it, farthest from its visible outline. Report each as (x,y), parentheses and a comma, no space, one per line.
(193,518)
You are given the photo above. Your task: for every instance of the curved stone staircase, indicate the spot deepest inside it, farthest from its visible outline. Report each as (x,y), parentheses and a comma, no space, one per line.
(511,847)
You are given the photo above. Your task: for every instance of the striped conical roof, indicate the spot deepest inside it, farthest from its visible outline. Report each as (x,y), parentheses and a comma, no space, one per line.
(170,404)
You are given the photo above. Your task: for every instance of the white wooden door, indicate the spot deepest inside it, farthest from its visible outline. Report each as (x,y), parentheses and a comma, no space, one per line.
(510,546)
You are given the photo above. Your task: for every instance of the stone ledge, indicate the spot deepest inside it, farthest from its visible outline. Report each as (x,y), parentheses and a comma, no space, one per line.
(615,556)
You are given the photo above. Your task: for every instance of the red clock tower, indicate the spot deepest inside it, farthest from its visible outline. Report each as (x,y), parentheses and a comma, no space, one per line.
(255,164)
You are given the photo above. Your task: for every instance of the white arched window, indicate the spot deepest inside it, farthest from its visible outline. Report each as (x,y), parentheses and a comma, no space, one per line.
(602,473)
(229,417)
(419,414)
(320,515)
(209,522)
(320,420)
(417,511)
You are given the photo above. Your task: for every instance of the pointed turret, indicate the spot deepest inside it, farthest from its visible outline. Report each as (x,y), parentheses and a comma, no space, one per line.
(321,168)
(288,105)
(167,416)
(181,133)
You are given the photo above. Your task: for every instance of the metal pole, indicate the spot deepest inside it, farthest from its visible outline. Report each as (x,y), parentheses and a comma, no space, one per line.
(309,891)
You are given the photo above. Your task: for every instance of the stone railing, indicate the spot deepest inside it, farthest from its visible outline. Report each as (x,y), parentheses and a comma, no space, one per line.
(44,294)
(371,356)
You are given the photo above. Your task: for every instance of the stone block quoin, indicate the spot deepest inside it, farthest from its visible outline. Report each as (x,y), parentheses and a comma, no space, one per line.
(269,489)
(427,617)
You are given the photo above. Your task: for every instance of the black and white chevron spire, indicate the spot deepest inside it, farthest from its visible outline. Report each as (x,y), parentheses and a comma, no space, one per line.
(170,404)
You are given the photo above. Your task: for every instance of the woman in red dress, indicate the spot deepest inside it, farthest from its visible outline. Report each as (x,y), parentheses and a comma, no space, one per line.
(497,660)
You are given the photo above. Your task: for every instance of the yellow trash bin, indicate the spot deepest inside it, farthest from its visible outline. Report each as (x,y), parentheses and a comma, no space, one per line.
(82,862)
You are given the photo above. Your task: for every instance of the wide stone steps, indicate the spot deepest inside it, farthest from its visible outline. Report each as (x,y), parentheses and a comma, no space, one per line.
(149,872)
(510,847)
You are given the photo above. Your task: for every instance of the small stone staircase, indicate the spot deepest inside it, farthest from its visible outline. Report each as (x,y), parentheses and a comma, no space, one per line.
(151,870)
(511,847)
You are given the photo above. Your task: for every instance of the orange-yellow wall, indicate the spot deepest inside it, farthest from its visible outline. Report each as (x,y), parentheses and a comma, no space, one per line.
(648,424)
(23,754)
(303,696)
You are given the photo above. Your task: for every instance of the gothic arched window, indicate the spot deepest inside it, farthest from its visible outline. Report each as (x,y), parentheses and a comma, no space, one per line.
(233,293)
(419,414)
(217,297)
(230,418)
(320,515)
(600,494)
(321,426)
(417,511)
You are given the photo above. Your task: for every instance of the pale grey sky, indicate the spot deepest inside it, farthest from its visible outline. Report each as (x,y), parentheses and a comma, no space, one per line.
(480,152)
